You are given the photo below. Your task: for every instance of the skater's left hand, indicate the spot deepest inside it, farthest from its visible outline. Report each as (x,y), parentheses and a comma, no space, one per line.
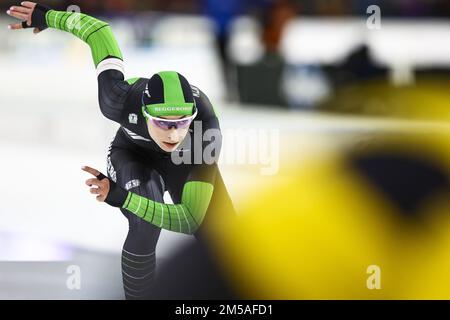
(100,181)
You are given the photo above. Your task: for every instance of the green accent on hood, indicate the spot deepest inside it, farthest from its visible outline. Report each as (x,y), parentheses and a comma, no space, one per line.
(173,92)
(132,81)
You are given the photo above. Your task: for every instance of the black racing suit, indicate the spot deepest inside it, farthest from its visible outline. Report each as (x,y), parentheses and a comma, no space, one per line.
(137,166)
(136,163)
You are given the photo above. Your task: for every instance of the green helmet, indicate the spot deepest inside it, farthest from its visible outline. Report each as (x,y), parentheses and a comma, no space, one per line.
(168,93)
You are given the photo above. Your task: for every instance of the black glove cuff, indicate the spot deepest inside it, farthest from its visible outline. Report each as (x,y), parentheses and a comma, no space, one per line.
(101,176)
(38,18)
(116,196)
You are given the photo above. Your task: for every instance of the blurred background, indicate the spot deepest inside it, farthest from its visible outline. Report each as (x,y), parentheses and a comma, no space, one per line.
(328,76)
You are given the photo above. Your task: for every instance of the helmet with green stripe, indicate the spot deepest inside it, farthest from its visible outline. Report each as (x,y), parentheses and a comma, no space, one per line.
(168,94)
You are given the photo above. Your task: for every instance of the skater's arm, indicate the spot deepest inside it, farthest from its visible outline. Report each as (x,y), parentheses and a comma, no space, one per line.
(185,217)
(106,54)
(108,59)
(96,33)
(112,89)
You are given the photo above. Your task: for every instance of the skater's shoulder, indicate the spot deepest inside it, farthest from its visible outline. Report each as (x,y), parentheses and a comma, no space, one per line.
(202,100)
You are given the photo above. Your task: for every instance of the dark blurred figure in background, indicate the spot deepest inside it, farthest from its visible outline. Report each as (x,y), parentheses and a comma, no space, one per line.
(223,14)
(275,18)
(359,66)
(260,83)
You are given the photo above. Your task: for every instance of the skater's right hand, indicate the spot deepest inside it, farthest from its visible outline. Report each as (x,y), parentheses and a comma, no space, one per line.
(106,191)
(31,14)
(100,181)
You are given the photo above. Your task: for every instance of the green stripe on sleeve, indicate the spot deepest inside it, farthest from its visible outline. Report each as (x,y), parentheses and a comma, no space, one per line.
(184,218)
(132,81)
(96,33)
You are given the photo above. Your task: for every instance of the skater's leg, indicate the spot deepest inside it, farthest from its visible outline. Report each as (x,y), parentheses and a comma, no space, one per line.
(138,254)
(139,258)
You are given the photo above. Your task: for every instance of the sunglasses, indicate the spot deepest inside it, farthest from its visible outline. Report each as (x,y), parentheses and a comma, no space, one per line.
(167,124)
